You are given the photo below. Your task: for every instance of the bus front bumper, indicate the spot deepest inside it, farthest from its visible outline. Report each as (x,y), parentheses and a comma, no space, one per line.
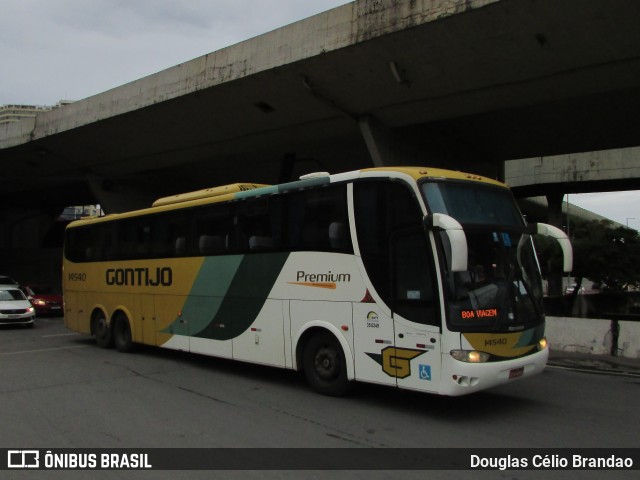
(461,378)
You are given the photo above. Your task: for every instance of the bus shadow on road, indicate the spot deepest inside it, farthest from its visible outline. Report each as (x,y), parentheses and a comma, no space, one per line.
(476,406)
(490,403)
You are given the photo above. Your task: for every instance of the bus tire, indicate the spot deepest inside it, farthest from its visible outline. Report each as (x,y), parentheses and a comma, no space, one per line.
(325,366)
(102,331)
(122,337)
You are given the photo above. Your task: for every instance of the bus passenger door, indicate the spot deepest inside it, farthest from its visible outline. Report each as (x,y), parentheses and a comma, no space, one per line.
(397,337)
(416,312)
(417,355)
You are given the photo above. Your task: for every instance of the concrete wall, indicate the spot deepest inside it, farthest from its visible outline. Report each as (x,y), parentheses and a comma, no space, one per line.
(629,339)
(593,336)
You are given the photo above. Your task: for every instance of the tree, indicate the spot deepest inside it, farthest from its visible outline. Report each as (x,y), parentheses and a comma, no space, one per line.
(607,255)
(602,253)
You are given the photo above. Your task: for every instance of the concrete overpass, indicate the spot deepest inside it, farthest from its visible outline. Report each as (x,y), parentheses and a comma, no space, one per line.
(556,175)
(462,84)
(598,171)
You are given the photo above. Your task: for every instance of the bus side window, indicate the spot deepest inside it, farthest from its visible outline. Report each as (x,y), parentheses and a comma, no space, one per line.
(339,236)
(163,237)
(134,238)
(105,242)
(212,226)
(78,246)
(170,237)
(317,220)
(259,224)
(415,293)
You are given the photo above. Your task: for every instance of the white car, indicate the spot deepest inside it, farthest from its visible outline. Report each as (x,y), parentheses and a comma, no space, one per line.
(15,309)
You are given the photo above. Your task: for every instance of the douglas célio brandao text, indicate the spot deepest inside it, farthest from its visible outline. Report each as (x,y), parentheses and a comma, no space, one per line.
(553,461)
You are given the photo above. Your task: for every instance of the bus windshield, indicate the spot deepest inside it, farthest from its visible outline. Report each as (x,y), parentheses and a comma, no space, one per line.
(501,290)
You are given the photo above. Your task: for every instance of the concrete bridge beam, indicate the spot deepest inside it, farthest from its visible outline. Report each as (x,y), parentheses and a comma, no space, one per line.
(596,171)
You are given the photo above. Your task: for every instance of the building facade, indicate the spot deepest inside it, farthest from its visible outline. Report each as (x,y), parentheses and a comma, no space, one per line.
(15,113)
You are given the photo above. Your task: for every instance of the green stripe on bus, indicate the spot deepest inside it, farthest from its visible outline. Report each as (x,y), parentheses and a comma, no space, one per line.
(247,293)
(311,182)
(257,192)
(209,289)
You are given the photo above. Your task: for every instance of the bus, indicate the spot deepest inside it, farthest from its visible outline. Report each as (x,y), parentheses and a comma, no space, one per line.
(413,277)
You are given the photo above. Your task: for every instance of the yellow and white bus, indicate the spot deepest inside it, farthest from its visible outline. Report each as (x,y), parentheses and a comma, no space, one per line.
(419,278)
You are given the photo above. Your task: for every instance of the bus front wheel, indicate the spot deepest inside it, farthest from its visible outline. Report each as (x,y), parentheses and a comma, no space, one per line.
(325,366)
(122,334)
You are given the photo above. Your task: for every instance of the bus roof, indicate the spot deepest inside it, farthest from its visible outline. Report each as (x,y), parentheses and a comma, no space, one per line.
(237,191)
(207,193)
(436,173)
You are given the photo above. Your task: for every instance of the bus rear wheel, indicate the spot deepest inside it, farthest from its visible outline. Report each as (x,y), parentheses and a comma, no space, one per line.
(101,331)
(325,366)
(122,337)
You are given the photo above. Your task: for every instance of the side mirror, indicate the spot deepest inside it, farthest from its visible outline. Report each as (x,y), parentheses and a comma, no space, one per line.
(554,232)
(457,238)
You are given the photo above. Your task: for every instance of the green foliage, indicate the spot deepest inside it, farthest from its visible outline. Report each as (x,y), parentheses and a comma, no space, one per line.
(602,253)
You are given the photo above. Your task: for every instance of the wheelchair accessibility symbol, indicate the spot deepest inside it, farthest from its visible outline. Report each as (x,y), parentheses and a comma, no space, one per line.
(425,372)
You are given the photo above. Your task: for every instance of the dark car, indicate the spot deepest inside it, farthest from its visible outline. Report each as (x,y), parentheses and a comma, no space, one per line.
(44,299)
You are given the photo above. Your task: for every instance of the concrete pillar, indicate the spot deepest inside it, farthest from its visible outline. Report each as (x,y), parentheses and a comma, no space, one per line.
(379,141)
(555,218)
(554,213)
(423,147)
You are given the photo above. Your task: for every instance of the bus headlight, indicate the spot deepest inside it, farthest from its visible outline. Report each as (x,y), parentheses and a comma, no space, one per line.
(542,344)
(470,356)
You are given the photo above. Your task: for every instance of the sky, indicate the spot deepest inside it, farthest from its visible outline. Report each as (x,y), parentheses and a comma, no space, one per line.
(52,50)
(621,207)
(55,50)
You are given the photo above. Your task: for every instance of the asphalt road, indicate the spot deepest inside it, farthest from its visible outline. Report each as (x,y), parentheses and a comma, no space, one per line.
(59,390)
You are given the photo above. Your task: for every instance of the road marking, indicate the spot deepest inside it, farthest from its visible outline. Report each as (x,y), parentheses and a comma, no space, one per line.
(43,350)
(59,335)
(622,373)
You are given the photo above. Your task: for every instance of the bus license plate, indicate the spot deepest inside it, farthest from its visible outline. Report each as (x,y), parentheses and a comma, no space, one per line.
(516,372)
